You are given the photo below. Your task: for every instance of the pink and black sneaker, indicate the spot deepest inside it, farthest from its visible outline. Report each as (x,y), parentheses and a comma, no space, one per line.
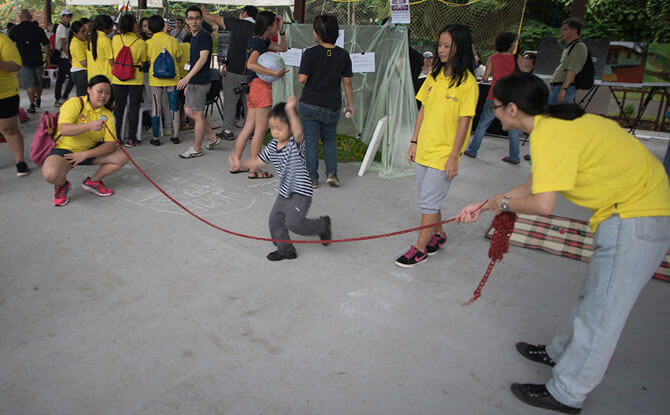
(411,258)
(436,242)
(96,187)
(60,194)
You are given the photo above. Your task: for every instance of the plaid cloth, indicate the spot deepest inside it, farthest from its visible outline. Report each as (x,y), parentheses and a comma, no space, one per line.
(570,238)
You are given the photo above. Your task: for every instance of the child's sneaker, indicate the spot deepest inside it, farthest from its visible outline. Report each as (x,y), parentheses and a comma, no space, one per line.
(436,242)
(60,194)
(96,187)
(22,169)
(411,258)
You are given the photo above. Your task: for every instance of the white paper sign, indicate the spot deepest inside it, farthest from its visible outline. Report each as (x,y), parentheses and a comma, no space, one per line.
(400,11)
(292,57)
(363,62)
(340,39)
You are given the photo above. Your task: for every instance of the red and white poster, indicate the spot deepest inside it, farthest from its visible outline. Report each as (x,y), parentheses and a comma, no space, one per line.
(400,11)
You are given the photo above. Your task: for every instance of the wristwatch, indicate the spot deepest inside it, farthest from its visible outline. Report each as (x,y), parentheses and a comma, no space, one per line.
(504,205)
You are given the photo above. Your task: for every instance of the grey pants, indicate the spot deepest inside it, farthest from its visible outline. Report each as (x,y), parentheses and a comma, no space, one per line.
(289,214)
(230,82)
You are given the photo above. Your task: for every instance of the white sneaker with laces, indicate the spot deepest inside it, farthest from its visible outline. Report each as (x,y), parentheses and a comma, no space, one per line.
(190,153)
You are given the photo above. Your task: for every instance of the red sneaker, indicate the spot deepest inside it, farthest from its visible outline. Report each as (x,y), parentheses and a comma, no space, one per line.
(96,187)
(60,194)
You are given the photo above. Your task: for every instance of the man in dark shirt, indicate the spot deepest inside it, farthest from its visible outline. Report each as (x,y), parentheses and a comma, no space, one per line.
(29,39)
(241,30)
(196,83)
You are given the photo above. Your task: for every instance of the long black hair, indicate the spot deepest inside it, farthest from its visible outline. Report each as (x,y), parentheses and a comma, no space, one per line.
(75,27)
(264,20)
(530,94)
(461,59)
(101,22)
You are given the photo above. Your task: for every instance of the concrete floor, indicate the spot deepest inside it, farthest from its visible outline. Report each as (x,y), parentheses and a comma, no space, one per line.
(126,305)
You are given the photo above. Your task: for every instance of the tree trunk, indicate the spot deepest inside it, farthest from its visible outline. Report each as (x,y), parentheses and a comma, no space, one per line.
(578,9)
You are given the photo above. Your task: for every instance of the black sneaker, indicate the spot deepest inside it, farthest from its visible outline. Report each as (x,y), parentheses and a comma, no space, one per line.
(526,157)
(175,140)
(537,395)
(278,256)
(327,234)
(155,142)
(38,102)
(535,353)
(22,169)
(412,258)
(436,242)
(31,109)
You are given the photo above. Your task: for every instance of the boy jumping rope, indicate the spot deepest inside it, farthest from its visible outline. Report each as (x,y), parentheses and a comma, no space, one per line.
(286,153)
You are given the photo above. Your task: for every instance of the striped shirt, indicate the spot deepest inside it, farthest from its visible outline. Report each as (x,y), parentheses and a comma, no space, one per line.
(289,162)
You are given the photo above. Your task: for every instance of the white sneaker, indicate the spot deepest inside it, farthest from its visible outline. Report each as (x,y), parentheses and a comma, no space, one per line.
(190,153)
(211,144)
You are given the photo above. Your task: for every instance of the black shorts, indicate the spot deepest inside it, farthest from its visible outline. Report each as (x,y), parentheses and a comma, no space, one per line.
(9,107)
(61,152)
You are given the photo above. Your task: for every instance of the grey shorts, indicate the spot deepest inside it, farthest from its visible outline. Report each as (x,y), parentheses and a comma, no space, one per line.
(31,76)
(432,188)
(196,96)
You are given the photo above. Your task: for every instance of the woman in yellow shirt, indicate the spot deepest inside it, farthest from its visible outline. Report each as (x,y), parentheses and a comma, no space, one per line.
(78,53)
(129,90)
(84,125)
(99,55)
(595,164)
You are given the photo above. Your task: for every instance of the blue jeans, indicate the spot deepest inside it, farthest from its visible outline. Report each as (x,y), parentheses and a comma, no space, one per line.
(569,94)
(485,120)
(319,122)
(626,254)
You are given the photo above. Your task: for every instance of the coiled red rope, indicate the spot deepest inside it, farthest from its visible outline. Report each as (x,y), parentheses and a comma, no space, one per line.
(503,225)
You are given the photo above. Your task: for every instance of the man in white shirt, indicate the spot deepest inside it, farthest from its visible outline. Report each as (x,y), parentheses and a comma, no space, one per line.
(64,65)
(179,30)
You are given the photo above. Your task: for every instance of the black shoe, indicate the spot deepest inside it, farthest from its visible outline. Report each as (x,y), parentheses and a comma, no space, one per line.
(38,102)
(278,256)
(175,140)
(508,160)
(472,156)
(226,135)
(327,234)
(526,157)
(155,142)
(535,353)
(31,109)
(537,395)
(22,169)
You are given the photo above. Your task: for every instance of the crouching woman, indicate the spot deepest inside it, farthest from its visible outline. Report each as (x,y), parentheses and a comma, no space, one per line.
(83,139)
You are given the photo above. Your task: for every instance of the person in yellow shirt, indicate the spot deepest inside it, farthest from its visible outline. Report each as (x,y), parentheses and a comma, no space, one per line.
(99,54)
(129,90)
(595,164)
(84,136)
(448,103)
(78,53)
(162,42)
(10,62)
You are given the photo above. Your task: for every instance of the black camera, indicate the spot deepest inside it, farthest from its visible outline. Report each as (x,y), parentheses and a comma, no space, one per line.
(242,89)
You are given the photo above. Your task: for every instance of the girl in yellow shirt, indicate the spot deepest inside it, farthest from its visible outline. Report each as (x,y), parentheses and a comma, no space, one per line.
(83,138)
(448,102)
(597,165)
(78,53)
(99,55)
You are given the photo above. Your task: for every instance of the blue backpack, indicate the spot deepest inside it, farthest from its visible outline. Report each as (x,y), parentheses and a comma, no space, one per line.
(164,65)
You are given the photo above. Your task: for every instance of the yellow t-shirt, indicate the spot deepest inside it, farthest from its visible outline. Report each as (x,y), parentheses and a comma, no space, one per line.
(71,112)
(138,50)
(595,164)
(78,52)
(443,106)
(101,65)
(155,45)
(9,85)
(185,49)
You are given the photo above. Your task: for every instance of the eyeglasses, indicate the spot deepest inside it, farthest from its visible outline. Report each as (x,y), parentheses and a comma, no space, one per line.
(194,18)
(495,107)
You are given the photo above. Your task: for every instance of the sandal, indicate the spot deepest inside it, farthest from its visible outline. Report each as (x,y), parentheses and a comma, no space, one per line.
(238,171)
(260,175)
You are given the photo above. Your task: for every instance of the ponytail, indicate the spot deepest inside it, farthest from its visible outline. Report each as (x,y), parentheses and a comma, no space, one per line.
(530,94)
(100,23)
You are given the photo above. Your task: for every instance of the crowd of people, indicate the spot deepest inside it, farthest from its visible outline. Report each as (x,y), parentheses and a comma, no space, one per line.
(588,159)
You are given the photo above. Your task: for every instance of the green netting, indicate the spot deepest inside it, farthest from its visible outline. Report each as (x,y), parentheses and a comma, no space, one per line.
(387,91)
